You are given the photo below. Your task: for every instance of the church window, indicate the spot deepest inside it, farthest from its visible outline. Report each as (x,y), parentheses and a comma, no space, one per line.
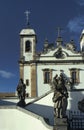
(47,76)
(27,46)
(75,75)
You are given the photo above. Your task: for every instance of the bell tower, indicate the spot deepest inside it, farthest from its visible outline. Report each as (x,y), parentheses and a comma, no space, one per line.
(27,64)
(27,44)
(27,41)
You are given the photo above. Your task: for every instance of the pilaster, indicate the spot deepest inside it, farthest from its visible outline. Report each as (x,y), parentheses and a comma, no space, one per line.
(33,80)
(21,71)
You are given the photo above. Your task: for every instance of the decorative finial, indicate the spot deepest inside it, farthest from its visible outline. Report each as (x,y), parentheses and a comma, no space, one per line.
(27,17)
(59,31)
(59,40)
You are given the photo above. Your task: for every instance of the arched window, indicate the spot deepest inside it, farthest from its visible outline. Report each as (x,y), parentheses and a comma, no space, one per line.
(27,46)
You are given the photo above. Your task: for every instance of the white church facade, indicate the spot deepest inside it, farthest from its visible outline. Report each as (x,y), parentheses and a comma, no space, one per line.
(38,69)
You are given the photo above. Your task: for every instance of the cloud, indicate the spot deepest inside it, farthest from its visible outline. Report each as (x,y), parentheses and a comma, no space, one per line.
(80,2)
(6,74)
(76,25)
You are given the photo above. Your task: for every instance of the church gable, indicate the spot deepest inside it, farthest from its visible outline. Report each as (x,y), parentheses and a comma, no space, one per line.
(60,53)
(61,50)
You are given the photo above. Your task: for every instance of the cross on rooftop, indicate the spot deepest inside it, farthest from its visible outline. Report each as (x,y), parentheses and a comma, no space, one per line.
(27,16)
(59,31)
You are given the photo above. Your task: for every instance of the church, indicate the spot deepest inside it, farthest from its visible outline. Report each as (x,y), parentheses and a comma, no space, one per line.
(38,69)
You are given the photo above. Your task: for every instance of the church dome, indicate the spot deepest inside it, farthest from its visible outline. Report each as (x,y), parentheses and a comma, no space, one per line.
(27,31)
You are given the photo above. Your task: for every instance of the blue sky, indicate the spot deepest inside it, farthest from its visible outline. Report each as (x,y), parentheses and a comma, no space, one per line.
(45,17)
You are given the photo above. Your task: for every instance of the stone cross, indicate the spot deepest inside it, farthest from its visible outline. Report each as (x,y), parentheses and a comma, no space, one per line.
(59,31)
(27,16)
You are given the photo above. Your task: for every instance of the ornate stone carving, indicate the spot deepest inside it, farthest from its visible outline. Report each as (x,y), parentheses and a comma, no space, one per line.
(59,53)
(71,46)
(60,96)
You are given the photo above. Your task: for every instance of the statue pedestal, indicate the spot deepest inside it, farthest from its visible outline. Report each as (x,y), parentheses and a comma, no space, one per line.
(60,124)
(21,103)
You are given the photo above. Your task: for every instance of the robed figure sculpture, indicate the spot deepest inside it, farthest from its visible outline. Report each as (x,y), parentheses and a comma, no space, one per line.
(60,96)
